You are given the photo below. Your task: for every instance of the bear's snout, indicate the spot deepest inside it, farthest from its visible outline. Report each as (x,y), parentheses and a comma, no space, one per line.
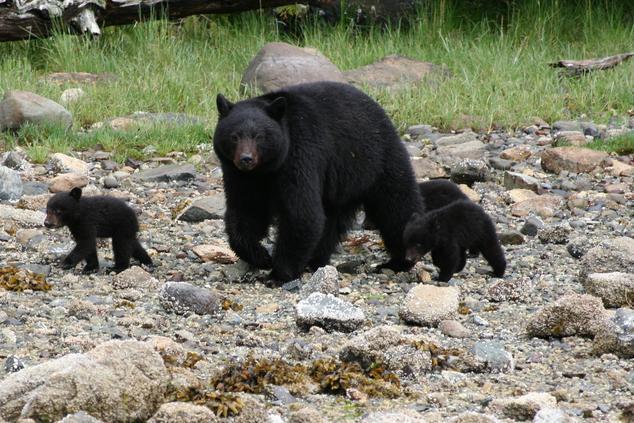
(246,155)
(412,255)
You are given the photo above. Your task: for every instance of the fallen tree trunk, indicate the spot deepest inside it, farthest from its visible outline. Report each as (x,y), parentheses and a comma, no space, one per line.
(579,67)
(20,19)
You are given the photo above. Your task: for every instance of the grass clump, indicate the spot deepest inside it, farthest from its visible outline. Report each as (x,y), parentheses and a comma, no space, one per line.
(621,145)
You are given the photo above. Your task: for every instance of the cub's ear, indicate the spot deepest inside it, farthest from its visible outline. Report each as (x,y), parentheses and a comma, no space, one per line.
(277,108)
(224,106)
(76,193)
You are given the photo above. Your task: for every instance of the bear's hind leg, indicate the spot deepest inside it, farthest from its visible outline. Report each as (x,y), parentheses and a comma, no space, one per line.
(494,255)
(335,227)
(140,254)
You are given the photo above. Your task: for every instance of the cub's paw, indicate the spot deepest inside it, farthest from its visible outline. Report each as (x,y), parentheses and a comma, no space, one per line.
(395,265)
(90,269)
(66,264)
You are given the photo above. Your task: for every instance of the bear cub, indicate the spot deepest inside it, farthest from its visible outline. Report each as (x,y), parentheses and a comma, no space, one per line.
(448,232)
(440,192)
(89,218)
(308,157)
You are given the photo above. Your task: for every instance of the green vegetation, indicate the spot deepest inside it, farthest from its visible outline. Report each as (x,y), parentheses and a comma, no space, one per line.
(621,145)
(498,58)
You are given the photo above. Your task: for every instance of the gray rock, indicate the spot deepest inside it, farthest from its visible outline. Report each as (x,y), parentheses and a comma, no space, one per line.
(552,415)
(570,315)
(618,336)
(500,164)
(24,217)
(110,182)
(278,65)
(556,234)
(134,277)
(328,312)
(461,138)
(429,304)
(324,280)
(514,180)
(471,417)
(13,160)
(453,328)
(494,355)
(95,382)
(418,132)
(11,187)
(616,289)
(182,297)
(532,226)
(577,247)
(470,150)
(590,129)
(20,107)
(567,125)
(34,188)
(469,171)
(279,395)
(211,207)
(168,173)
(13,364)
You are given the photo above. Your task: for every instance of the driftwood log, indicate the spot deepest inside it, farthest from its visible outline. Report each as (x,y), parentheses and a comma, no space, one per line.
(24,19)
(579,67)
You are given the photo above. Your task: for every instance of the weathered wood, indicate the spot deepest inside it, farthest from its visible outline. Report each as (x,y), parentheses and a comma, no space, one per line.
(21,19)
(578,67)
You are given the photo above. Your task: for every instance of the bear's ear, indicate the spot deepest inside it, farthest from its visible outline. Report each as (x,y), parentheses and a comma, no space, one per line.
(277,108)
(224,106)
(76,193)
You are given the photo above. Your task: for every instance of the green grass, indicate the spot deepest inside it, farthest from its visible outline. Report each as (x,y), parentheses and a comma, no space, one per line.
(621,145)
(498,58)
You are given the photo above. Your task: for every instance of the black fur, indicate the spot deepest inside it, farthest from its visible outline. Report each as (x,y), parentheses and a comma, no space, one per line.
(309,156)
(89,218)
(449,231)
(438,193)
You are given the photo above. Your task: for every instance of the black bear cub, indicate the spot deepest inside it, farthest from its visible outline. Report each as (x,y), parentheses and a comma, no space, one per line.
(89,218)
(308,157)
(440,192)
(448,232)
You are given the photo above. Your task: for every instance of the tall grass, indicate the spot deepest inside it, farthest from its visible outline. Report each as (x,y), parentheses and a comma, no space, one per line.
(498,57)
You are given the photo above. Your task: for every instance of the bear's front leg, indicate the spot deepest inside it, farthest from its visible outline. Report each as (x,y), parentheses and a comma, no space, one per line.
(84,247)
(300,228)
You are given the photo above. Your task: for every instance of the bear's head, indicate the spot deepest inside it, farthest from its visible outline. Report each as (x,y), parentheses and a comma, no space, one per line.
(419,236)
(62,209)
(250,135)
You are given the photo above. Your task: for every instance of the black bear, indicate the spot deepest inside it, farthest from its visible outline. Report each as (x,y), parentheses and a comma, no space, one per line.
(448,232)
(91,217)
(309,156)
(440,192)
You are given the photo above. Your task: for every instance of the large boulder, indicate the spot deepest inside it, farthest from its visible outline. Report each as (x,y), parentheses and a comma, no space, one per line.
(572,159)
(279,65)
(117,381)
(20,107)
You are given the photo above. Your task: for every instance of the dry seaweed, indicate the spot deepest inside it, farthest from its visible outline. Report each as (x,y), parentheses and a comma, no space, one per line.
(14,279)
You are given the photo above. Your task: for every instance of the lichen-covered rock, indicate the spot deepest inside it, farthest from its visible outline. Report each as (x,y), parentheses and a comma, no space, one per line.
(324,280)
(134,277)
(611,255)
(116,381)
(616,289)
(618,335)
(580,315)
(429,304)
(524,407)
(328,312)
(183,412)
(183,297)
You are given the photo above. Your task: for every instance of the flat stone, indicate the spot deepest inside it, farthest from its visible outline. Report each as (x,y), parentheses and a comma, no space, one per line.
(461,138)
(328,312)
(425,168)
(570,315)
(515,180)
(215,253)
(468,150)
(22,217)
(544,205)
(62,163)
(183,297)
(11,187)
(572,159)
(492,353)
(278,65)
(168,173)
(394,72)
(567,125)
(211,207)
(20,107)
(429,304)
(67,181)
(616,289)
(519,153)
(567,138)
(518,195)
(453,329)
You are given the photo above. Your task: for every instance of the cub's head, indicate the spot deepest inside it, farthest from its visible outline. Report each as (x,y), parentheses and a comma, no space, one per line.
(249,133)
(62,208)
(419,237)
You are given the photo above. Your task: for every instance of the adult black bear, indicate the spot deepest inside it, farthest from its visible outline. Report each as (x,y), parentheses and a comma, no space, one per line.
(92,217)
(310,155)
(448,232)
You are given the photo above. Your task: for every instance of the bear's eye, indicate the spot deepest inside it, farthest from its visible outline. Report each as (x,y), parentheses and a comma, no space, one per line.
(259,137)
(234,138)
